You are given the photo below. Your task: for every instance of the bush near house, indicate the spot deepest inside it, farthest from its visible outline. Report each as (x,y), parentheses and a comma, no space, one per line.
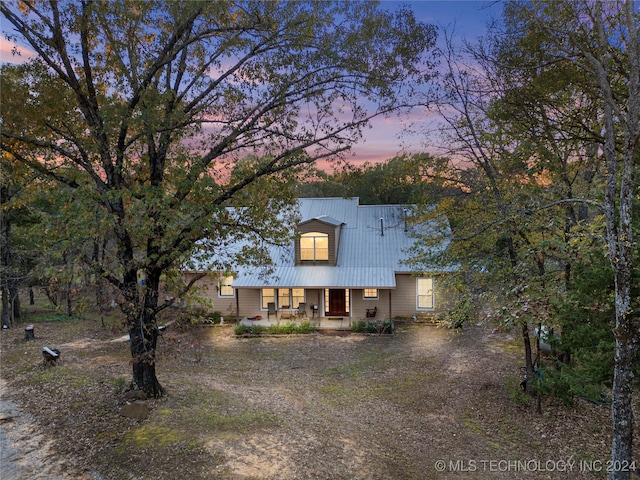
(373,326)
(283,329)
(199,316)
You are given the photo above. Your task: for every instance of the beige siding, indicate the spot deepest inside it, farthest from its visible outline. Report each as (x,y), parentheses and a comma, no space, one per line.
(249,303)
(405,302)
(359,305)
(208,287)
(401,301)
(391,303)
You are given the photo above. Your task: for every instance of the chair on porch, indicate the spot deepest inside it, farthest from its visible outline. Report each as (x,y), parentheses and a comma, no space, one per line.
(302,310)
(271,310)
(372,312)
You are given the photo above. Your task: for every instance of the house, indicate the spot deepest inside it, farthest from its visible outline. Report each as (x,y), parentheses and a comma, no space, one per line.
(346,262)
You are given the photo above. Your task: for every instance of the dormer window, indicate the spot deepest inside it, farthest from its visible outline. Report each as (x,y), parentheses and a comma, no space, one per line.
(314,246)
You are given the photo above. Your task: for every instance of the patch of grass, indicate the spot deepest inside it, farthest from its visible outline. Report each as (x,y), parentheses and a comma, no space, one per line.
(514,392)
(210,410)
(151,436)
(46,317)
(119,385)
(60,376)
(472,425)
(289,328)
(241,422)
(595,429)
(339,395)
(514,347)
(364,365)
(511,431)
(404,391)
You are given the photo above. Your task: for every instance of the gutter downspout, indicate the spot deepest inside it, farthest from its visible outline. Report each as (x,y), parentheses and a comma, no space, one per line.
(237,304)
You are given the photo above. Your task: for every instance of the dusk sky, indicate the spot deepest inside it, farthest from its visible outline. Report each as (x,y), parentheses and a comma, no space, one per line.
(386,139)
(467,19)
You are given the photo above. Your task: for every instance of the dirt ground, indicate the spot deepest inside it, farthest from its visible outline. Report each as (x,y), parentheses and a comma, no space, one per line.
(424,403)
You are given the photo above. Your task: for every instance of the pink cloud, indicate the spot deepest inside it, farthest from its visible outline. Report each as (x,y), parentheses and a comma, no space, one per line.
(13,53)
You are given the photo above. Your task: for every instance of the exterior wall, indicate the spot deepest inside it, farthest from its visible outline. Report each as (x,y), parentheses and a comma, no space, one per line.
(405,301)
(249,303)
(208,287)
(314,295)
(359,304)
(391,303)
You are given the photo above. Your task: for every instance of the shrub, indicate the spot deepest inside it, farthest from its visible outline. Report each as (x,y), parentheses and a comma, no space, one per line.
(283,329)
(307,327)
(373,326)
(240,329)
(459,316)
(358,326)
(212,317)
(198,316)
(257,329)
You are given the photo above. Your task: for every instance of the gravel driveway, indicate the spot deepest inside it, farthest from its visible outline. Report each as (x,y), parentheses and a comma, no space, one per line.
(425,403)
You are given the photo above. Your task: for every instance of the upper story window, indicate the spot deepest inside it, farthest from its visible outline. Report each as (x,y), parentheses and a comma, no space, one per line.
(314,246)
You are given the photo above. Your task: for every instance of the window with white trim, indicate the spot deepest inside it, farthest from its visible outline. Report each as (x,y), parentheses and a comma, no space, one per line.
(297,297)
(314,246)
(370,293)
(268,295)
(226,287)
(424,295)
(284,298)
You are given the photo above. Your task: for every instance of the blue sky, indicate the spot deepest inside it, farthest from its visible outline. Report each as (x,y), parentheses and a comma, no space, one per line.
(467,19)
(470,16)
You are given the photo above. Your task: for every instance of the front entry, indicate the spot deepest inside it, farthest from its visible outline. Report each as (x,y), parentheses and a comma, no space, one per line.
(337,302)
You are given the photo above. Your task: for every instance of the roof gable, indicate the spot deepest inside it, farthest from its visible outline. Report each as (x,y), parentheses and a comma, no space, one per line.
(324,219)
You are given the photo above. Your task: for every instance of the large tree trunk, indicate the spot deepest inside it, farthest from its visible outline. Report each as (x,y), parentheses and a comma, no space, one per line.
(619,193)
(622,409)
(143,334)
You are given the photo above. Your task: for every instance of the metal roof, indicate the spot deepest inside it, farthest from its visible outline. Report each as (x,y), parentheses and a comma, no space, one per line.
(373,247)
(319,277)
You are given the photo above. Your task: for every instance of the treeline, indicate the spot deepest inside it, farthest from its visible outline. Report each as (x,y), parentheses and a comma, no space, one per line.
(400,180)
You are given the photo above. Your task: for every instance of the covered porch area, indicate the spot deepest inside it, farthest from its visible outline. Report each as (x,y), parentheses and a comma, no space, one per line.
(321,322)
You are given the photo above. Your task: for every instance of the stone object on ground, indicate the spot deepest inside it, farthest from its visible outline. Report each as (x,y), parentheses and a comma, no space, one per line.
(135,395)
(137,409)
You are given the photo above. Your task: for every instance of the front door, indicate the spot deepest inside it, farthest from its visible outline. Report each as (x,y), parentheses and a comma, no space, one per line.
(337,299)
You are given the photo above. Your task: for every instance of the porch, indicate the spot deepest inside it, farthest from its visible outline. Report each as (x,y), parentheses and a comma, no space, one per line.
(321,322)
